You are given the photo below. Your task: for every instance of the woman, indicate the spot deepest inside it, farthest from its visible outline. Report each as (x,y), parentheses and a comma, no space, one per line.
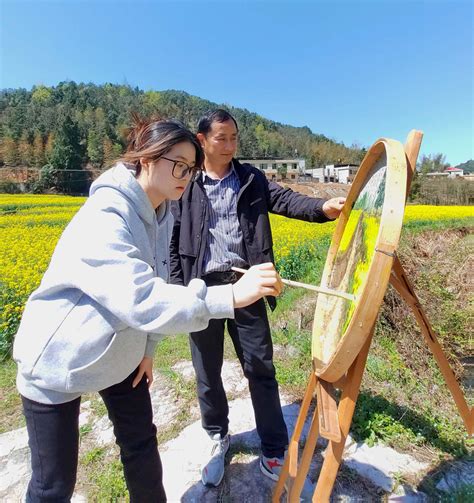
(103,303)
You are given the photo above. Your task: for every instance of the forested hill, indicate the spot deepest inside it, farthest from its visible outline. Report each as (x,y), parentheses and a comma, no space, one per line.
(94,118)
(467,166)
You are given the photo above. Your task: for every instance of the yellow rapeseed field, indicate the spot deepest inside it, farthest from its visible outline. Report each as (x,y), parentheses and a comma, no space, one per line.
(30,226)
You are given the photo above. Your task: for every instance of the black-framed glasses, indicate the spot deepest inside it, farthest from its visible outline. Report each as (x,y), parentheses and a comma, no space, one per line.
(181,169)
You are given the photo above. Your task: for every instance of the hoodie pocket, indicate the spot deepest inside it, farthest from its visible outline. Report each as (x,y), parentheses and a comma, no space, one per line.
(119,359)
(89,339)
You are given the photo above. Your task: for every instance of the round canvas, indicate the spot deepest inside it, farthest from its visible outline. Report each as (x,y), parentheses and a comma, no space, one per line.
(360,259)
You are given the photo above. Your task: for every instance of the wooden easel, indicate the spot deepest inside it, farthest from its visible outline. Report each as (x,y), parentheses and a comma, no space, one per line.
(331,420)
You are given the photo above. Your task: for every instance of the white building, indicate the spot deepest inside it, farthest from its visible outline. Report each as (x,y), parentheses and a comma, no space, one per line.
(453,172)
(316,173)
(277,169)
(436,174)
(447,173)
(340,173)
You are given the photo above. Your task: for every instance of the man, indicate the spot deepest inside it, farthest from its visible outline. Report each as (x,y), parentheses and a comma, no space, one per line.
(222,221)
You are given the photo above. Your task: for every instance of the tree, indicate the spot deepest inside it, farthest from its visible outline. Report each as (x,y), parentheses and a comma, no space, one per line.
(112,151)
(48,148)
(282,170)
(41,94)
(95,148)
(248,145)
(415,186)
(9,151)
(263,143)
(95,138)
(38,151)
(66,159)
(434,163)
(25,151)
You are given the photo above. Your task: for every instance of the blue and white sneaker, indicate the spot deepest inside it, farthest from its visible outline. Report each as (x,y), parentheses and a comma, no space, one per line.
(212,471)
(272,467)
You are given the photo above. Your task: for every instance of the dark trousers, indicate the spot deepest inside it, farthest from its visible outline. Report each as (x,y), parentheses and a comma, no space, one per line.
(250,333)
(53,432)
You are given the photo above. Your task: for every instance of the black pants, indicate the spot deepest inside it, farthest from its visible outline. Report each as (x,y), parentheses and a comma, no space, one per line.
(250,333)
(53,432)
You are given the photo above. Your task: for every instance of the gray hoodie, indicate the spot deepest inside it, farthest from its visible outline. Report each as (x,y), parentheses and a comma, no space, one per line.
(104,302)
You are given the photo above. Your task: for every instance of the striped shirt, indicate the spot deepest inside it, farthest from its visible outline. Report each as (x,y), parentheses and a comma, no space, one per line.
(225,245)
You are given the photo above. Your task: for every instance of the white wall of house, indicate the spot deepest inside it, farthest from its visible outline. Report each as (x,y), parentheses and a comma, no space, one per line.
(449,174)
(316,173)
(343,175)
(340,174)
(292,165)
(297,167)
(454,174)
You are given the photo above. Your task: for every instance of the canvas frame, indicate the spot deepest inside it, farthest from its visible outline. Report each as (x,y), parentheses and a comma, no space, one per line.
(370,295)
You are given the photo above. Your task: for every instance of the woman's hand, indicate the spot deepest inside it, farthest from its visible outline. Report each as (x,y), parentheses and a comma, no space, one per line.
(332,207)
(259,281)
(145,368)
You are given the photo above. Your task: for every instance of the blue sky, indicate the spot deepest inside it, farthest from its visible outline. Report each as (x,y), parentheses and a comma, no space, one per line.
(353,70)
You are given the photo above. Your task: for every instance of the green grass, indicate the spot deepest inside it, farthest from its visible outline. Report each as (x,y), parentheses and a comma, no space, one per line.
(378,419)
(171,350)
(110,483)
(93,456)
(84,430)
(103,474)
(417,226)
(97,405)
(11,416)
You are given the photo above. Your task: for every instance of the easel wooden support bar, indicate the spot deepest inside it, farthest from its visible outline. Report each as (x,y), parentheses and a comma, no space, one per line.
(308,451)
(291,462)
(327,406)
(412,149)
(401,283)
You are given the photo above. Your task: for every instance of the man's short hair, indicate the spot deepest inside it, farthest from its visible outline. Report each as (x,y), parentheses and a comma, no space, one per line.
(218,115)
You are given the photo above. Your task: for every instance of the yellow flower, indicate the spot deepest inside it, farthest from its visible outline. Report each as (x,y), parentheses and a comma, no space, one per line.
(30,226)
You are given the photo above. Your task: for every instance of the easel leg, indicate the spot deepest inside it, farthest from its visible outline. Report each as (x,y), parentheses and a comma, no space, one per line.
(291,462)
(333,456)
(400,282)
(310,446)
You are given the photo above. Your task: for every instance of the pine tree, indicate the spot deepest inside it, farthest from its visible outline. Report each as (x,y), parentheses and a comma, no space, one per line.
(112,151)
(39,158)
(48,148)
(117,151)
(66,158)
(107,147)
(25,151)
(9,151)
(95,148)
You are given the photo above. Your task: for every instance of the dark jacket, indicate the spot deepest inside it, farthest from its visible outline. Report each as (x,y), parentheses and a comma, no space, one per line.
(257,197)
